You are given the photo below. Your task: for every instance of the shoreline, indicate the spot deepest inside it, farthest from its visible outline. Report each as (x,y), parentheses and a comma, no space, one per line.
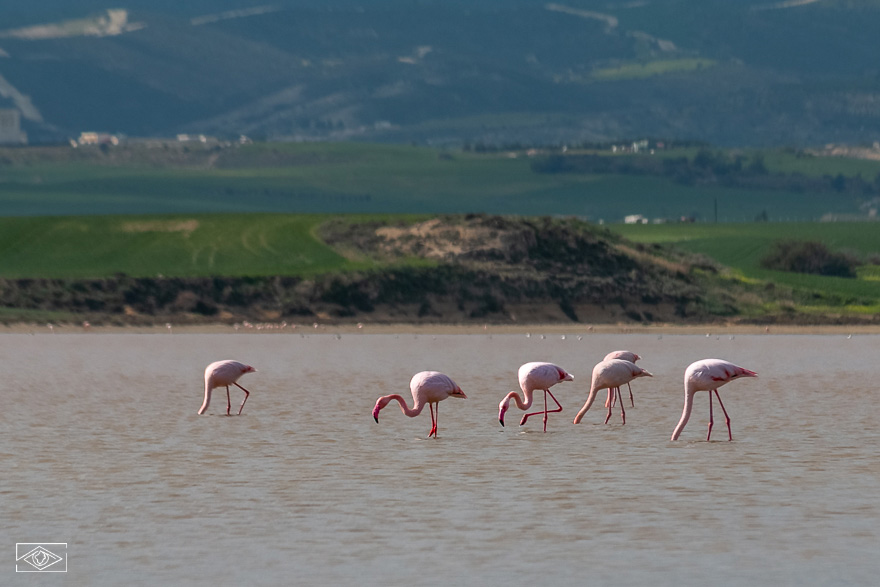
(444,329)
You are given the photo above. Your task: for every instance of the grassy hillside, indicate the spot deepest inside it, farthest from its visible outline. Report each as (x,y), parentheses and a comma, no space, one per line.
(450,269)
(454,268)
(752,72)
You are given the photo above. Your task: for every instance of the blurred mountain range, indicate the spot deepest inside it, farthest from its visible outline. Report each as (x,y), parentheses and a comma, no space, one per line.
(746,72)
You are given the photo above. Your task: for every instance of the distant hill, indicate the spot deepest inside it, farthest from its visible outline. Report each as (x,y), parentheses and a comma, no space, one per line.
(752,72)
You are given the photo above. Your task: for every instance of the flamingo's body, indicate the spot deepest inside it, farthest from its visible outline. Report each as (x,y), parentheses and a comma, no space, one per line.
(427,387)
(224,374)
(623,356)
(708,375)
(534,376)
(611,374)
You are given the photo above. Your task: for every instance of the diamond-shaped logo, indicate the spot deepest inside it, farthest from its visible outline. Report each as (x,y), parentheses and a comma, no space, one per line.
(36,557)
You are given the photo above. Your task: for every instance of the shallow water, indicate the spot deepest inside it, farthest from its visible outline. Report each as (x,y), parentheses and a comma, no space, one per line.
(102,449)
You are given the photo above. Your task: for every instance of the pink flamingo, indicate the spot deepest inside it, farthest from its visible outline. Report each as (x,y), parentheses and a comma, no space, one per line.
(224,374)
(427,387)
(623,356)
(534,376)
(708,375)
(611,374)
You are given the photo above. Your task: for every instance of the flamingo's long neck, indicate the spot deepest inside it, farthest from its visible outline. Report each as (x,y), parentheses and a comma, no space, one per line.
(411,412)
(594,391)
(685,414)
(521,404)
(207,401)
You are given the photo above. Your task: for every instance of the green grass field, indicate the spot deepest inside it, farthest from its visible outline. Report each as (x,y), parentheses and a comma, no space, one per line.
(742,246)
(334,178)
(173,246)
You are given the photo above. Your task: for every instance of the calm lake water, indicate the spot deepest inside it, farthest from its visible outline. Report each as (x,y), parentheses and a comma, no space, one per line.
(102,449)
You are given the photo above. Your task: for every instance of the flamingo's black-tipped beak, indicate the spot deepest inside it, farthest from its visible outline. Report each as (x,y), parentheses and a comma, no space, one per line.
(376,418)
(501,421)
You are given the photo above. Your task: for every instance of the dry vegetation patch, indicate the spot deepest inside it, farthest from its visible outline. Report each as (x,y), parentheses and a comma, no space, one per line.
(185,226)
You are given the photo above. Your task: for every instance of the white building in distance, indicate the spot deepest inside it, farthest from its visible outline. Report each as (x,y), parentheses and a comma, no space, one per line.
(10,128)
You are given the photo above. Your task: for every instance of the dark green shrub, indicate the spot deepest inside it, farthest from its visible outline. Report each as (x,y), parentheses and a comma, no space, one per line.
(809,257)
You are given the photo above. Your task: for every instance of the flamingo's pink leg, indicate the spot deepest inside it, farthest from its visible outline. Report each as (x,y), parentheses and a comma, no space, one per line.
(610,404)
(246,395)
(613,399)
(228,401)
(622,411)
(711,419)
(433,431)
(545,412)
(726,417)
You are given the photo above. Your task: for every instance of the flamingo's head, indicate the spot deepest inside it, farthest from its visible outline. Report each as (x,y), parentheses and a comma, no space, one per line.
(247,369)
(502,409)
(564,375)
(642,373)
(381,403)
(457,392)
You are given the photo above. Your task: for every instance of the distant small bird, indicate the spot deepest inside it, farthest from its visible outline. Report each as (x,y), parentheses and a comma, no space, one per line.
(427,387)
(224,374)
(534,376)
(708,375)
(610,374)
(623,356)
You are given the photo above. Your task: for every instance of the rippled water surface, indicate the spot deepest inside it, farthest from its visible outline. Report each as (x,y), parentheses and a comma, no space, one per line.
(102,449)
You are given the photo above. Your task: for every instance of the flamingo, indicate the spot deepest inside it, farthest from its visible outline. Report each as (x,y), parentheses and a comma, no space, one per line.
(611,374)
(224,374)
(708,375)
(427,387)
(623,356)
(534,376)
